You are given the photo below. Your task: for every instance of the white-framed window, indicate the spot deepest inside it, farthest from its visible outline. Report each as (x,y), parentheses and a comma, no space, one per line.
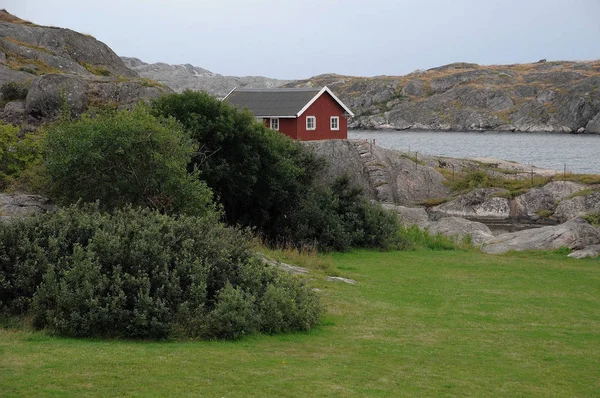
(275,124)
(334,122)
(311,122)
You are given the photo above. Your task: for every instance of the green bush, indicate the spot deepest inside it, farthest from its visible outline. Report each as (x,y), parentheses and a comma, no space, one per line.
(340,217)
(258,174)
(141,274)
(12,91)
(16,154)
(124,157)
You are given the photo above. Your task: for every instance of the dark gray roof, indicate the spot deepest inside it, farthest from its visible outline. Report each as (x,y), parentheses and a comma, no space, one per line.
(272,102)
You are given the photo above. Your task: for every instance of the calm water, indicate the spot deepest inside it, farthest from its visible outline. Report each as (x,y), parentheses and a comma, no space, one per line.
(580,152)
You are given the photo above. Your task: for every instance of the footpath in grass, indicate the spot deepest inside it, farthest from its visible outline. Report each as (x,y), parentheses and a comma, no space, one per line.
(420,323)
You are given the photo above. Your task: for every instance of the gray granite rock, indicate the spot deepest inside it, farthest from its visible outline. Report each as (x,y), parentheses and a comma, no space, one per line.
(578,206)
(460,228)
(21,205)
(479,204)
(575,234)
(531,205)
(588,252)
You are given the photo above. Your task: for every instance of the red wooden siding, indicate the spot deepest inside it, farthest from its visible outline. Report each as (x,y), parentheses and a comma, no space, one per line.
(323,108)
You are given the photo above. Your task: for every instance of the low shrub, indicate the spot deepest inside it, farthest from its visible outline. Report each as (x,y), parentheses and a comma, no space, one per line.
(141,274)
(12,91)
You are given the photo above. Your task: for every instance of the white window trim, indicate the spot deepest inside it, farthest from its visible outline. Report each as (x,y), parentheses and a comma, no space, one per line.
(337,119)
(271,123)
(314,118)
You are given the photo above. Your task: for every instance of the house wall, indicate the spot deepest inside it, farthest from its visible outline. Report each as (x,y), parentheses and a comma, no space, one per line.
(286,126)
(323,108)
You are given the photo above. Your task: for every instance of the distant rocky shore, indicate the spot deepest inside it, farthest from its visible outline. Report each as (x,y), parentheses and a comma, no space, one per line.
(562,97)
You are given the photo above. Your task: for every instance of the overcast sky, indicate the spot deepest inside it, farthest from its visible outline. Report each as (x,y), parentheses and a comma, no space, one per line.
(300,39)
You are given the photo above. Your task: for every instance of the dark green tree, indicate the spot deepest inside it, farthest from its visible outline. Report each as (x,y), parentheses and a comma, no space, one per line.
(259,175)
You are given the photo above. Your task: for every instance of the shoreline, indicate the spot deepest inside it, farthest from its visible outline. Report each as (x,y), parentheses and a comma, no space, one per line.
(481,131)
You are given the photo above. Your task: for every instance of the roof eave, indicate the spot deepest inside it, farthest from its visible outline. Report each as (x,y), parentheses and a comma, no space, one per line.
(316,97)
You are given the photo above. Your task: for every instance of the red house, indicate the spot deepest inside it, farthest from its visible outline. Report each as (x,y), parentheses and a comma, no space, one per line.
(302,113)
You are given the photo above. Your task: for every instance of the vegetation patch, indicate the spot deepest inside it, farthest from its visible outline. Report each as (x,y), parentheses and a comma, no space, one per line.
(593,219)
(133,273)
(95,69)
(144,81)
(473,179)
(12,91)
(583,192)
(588,179)
(28,45)
(16,154)
(545,213)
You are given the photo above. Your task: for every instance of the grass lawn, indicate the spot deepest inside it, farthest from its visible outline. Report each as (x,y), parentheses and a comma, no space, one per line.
(419,323)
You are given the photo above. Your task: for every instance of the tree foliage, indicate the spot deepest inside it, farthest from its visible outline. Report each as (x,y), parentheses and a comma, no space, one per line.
(259,176)
(124,157)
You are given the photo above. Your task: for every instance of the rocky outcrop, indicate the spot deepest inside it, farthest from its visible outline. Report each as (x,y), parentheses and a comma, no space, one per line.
(460,229)
(454,227)
(21,205)
(593,125)
(46,94)
(480,204)
(540,203)
(37,50)
(588,252)
(56,66)
(578,206)
(386,175)
(575,234)
(541,97)
(188,77)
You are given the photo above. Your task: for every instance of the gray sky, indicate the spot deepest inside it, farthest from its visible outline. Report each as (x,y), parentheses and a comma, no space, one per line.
(300,39)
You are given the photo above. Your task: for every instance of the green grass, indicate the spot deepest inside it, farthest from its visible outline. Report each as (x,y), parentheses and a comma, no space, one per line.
(418,323)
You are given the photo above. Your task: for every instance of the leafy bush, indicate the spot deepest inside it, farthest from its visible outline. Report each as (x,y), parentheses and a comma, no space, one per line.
(12,91)
(340,217)
(142,274)
(258,174)
(16,154)
(124,157)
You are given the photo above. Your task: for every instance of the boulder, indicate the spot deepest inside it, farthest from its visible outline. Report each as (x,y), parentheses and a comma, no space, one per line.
(410,215)
(20,205)
(590,251)
(578,206)
(47,93)
(575,234)
(593,126)
(479,204)
(460,228)
(414,87)
(537,200)
(14,112)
